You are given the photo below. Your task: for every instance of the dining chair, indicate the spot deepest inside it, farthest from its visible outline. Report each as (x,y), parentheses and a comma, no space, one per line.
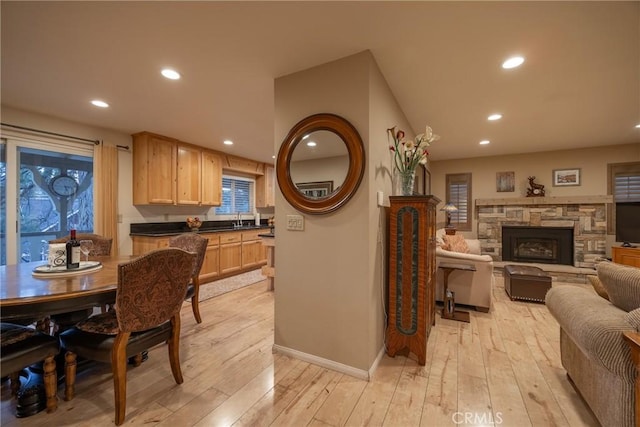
(192,242)
(23,346)
(101,245)
(149,296)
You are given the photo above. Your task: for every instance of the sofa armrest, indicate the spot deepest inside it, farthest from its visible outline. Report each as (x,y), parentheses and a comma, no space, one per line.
(441,253)
(633,340)
(594,324)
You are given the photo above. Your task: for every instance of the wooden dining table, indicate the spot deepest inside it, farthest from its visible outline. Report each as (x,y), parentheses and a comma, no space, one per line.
(23,295)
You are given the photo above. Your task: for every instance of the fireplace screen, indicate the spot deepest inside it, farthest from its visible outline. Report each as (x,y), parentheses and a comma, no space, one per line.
(535,249)
(549,245)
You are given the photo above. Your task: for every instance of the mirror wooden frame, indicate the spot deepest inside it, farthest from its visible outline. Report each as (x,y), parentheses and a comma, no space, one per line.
(355,149)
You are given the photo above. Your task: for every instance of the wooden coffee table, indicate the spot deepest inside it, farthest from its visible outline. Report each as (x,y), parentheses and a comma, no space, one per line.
(447,269)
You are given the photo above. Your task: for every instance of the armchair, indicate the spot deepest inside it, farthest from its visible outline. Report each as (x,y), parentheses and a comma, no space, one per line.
(470,287)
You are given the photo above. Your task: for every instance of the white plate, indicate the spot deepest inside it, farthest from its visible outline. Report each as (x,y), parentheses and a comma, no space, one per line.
(84,266)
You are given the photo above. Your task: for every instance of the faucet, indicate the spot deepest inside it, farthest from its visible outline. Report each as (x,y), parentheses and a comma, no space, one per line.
(238,223)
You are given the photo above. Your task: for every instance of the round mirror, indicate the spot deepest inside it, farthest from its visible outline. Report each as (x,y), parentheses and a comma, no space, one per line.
(320,163)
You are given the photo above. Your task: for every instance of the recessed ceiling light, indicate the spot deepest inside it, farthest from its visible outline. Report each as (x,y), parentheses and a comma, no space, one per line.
(485,142)
(638,126)
(311,144)
(306,136)
(170,74)
(227,142)
(99,103)
(273,157)
(513,62)
(493,117)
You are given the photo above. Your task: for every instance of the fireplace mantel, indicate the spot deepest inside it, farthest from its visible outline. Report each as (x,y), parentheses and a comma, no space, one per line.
(527,201)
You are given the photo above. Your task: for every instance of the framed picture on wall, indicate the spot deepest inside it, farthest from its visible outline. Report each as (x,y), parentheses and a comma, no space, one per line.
(505,182)
(566,177)
(315,190)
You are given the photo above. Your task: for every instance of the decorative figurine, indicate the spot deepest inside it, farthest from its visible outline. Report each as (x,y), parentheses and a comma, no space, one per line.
(535,190)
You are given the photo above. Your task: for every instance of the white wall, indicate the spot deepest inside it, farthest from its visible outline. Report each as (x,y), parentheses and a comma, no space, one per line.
(330,277)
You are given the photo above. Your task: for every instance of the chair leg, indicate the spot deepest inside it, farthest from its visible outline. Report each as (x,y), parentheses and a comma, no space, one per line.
(51,383)
(119,368)
(15,382)
(69,375)
(174,349)
(195,300)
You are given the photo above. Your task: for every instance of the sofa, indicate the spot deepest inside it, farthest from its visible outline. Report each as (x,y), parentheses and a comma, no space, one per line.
(472,288)
(593,348)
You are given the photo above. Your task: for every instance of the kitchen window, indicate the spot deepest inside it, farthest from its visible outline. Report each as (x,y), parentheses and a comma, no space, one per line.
(238,196)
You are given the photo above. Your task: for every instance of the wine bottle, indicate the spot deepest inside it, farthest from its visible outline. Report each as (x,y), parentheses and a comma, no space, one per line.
(73,252)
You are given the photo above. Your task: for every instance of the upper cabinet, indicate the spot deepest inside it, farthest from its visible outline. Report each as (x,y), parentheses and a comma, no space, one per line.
(154,169)
(266,188)
(169,172)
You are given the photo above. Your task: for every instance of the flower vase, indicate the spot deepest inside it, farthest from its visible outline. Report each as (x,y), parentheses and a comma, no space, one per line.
(404,182)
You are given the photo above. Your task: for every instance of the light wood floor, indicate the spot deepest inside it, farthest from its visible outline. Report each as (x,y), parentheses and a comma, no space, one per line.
(501,369)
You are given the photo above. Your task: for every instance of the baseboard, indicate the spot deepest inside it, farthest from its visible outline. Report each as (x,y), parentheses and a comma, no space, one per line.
(330,364)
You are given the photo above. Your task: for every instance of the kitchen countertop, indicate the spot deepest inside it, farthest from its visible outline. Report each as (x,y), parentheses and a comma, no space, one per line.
(174,228)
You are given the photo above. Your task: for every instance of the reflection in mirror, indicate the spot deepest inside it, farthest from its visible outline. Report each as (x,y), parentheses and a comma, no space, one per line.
(319,164)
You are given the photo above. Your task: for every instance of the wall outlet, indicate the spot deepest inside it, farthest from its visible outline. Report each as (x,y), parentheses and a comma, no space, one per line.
(119,218)
(295,222)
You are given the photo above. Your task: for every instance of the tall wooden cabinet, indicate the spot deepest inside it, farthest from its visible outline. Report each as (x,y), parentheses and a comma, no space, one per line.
(412,268)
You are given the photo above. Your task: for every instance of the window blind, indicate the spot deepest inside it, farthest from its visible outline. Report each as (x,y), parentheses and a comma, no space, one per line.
(237,196)
(627,188)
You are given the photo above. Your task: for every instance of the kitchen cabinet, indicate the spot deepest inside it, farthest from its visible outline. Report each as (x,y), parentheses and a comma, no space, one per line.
(230,252)
(154,169)
(144,244)
(626,255)
(211,178)
(170,172)
(188,175)
(211,265)
(253,252)
(266,188)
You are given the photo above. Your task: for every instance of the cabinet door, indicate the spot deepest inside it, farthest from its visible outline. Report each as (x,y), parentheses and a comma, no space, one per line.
(251,253)
(230,257)
(188,175)
(265,188)
(211,179)
(211,264)
(161,170)
(144,244)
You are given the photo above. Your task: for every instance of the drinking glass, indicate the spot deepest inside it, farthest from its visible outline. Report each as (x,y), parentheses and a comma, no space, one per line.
(85,248)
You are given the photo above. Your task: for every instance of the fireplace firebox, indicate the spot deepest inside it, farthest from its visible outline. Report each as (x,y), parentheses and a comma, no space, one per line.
(548,245)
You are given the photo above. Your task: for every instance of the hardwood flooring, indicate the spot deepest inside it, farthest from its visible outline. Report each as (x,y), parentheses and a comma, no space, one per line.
(503,368)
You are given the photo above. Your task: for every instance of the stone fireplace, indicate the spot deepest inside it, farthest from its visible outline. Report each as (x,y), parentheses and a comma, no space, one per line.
(586,216)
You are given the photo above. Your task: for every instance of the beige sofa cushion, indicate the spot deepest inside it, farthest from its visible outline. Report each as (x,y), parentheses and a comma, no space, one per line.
(622,284)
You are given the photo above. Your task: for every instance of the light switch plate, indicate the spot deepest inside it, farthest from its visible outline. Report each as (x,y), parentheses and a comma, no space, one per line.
(295,222)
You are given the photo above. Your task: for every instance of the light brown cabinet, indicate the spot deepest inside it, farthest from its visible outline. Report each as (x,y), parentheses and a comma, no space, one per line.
(626,256)
(211,179)
(144,244)
(230,252)
(188,175)
(170,172)
(154,169)
(211,264)
(266,188)
(253,252)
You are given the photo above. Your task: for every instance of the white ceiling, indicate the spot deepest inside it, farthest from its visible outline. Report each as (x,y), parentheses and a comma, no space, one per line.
(579,86)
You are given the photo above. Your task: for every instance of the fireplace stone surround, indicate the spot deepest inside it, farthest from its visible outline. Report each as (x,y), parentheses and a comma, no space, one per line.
(587,215)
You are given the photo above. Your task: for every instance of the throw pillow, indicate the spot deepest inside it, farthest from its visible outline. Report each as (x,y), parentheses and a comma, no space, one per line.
(598,287)
(456,243)
(622,283)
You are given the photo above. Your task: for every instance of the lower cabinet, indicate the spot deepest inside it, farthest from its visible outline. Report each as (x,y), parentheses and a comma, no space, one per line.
(228,253)
(211,264)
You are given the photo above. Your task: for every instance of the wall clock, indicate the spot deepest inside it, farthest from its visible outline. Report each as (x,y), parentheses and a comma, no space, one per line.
(64,186)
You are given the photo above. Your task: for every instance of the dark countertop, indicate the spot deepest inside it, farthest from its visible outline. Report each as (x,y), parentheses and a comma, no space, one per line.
(267,235)
(163,229)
